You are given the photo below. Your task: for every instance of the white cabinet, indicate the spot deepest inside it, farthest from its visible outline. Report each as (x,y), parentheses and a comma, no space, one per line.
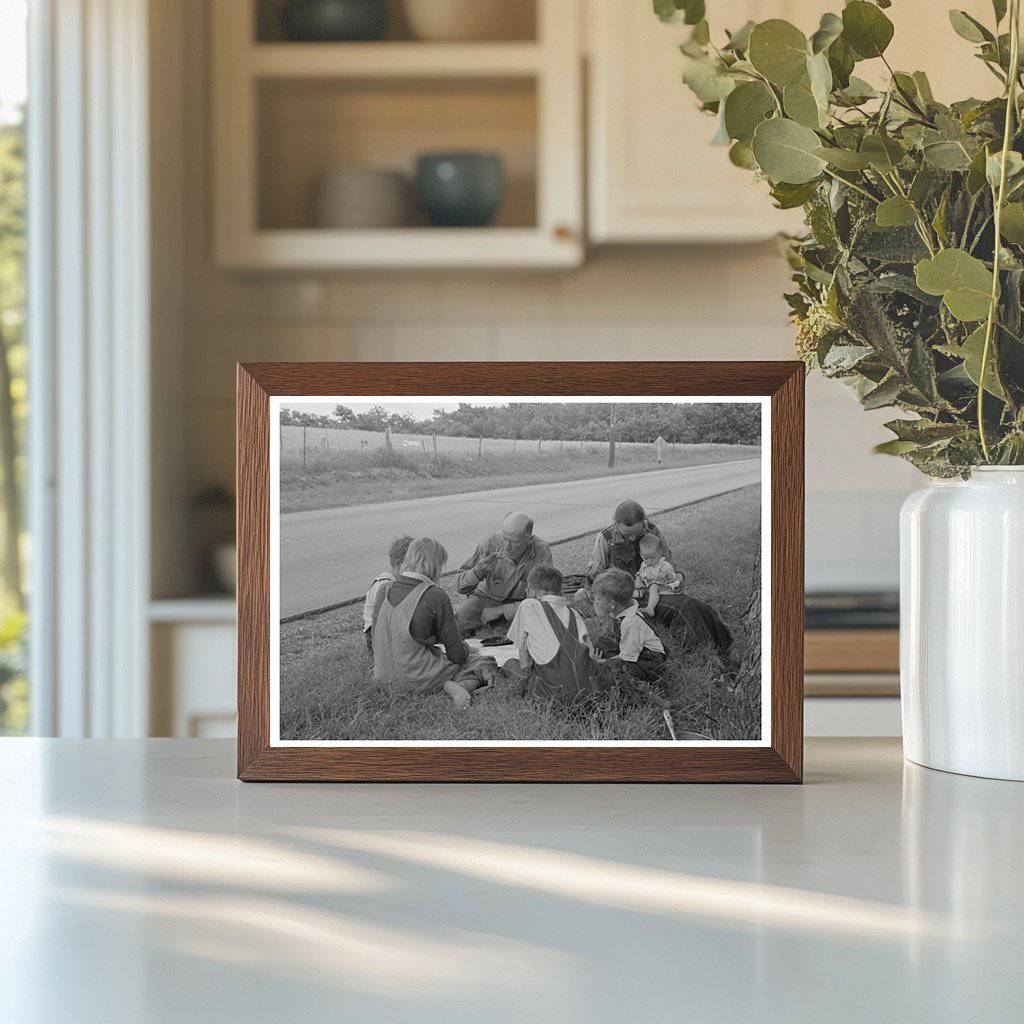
(286,114)
(654,177)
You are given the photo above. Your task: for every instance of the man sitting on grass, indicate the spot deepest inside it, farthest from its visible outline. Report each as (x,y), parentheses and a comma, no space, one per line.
(493,580)
(640,650)
(555,658)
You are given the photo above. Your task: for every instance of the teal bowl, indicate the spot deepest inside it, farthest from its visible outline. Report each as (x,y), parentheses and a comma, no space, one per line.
(460,190)
(334,21)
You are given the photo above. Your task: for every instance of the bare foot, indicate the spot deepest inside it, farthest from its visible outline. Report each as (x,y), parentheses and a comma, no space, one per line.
(458,694)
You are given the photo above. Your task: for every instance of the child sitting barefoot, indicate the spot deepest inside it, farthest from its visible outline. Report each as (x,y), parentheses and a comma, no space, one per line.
(555,658)
(379,586)
(641,652)
(657,575)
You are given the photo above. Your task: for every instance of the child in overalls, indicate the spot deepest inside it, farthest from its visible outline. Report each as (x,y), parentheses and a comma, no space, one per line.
(555,660)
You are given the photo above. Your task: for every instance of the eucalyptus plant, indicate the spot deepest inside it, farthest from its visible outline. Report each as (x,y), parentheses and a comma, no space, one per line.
(910,277)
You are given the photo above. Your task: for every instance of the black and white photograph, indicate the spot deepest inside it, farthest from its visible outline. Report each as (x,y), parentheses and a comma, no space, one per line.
(519,571)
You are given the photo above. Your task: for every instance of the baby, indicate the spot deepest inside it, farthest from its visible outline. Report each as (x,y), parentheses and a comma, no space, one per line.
(656,575)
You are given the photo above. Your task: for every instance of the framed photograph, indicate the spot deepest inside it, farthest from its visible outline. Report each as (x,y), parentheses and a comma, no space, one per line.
(517,572)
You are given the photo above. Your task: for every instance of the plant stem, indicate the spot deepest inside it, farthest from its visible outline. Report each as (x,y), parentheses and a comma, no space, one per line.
(853,185)
(1011,109)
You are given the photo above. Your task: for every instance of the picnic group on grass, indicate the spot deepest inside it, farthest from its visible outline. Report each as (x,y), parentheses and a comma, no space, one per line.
(569,631)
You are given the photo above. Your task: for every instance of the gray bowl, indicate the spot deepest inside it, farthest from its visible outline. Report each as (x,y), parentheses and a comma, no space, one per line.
(460,189)
(333,21)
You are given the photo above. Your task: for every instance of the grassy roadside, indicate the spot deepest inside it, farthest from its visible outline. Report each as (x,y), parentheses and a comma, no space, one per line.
(327,693)
(362,477)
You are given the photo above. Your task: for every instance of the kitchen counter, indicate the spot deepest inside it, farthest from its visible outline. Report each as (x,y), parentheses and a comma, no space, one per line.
(140,882)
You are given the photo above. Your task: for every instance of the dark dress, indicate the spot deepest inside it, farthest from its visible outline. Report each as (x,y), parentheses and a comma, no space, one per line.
(694,620)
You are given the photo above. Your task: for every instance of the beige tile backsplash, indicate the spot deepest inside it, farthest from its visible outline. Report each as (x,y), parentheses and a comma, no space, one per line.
(712,303)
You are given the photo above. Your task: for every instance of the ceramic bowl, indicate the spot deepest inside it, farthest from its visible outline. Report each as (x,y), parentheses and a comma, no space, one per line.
(334,21)
(470,20)
(460,189)
(358,197)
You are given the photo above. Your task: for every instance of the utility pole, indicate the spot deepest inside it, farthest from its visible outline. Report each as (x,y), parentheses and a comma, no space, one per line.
(611,438)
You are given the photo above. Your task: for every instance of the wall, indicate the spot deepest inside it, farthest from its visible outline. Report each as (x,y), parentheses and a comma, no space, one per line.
(651,303)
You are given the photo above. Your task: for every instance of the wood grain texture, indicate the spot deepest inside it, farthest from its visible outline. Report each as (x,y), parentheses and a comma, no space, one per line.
(779,762)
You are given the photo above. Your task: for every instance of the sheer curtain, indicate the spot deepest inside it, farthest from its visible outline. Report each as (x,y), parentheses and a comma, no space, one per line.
(88,325)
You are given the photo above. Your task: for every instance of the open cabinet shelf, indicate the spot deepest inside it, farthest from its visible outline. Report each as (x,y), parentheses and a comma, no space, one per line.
(287,114)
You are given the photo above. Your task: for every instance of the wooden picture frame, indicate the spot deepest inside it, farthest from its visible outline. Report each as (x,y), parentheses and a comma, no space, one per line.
(779,759)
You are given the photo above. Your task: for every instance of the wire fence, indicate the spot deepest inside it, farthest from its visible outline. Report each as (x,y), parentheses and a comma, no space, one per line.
(313,448)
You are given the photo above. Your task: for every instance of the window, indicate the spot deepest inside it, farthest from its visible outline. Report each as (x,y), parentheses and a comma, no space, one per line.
(14,693)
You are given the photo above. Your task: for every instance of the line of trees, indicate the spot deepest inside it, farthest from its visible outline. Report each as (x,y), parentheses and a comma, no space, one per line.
(711,422)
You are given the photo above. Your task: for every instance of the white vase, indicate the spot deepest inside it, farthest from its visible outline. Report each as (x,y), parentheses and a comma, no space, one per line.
(962,624)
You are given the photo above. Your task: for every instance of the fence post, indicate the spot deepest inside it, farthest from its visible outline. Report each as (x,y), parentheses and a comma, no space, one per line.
(480,448)
(387,437)
(539,443)
(515,441)
(435,447)
(303,449)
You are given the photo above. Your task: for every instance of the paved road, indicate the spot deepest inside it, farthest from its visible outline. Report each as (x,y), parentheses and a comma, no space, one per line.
(330,555)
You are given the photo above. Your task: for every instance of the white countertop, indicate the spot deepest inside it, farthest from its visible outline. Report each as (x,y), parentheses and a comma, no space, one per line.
(140,882)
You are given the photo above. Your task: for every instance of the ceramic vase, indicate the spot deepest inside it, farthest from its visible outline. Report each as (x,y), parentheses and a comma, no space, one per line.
(962,624)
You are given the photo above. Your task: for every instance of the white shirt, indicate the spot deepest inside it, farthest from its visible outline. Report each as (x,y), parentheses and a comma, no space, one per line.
(372,595)
(635,635)
(531,620)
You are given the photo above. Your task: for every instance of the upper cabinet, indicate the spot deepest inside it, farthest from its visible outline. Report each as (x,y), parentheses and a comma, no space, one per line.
(654,176)
(316,143)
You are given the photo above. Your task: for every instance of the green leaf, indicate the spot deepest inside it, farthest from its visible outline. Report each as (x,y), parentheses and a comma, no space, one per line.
(947,156)
(844,159)
(895,447)
(857,91)
(866,29)
(739,41)
(993,167)
(976,173)
(779,51)
(885,394)
(922,185)
(787,152)
(741,155)
(801,106)
(895,212)
(841,63)
(819,74)
(707,78)
(924,88)
(999,9)
(971,351)
(969,28)
(701,34)
(939,220)
(882,151)
(829,30)
(963,281)
(690,12)
(923,431)
(745,108)
(1012,224)
(788,196)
